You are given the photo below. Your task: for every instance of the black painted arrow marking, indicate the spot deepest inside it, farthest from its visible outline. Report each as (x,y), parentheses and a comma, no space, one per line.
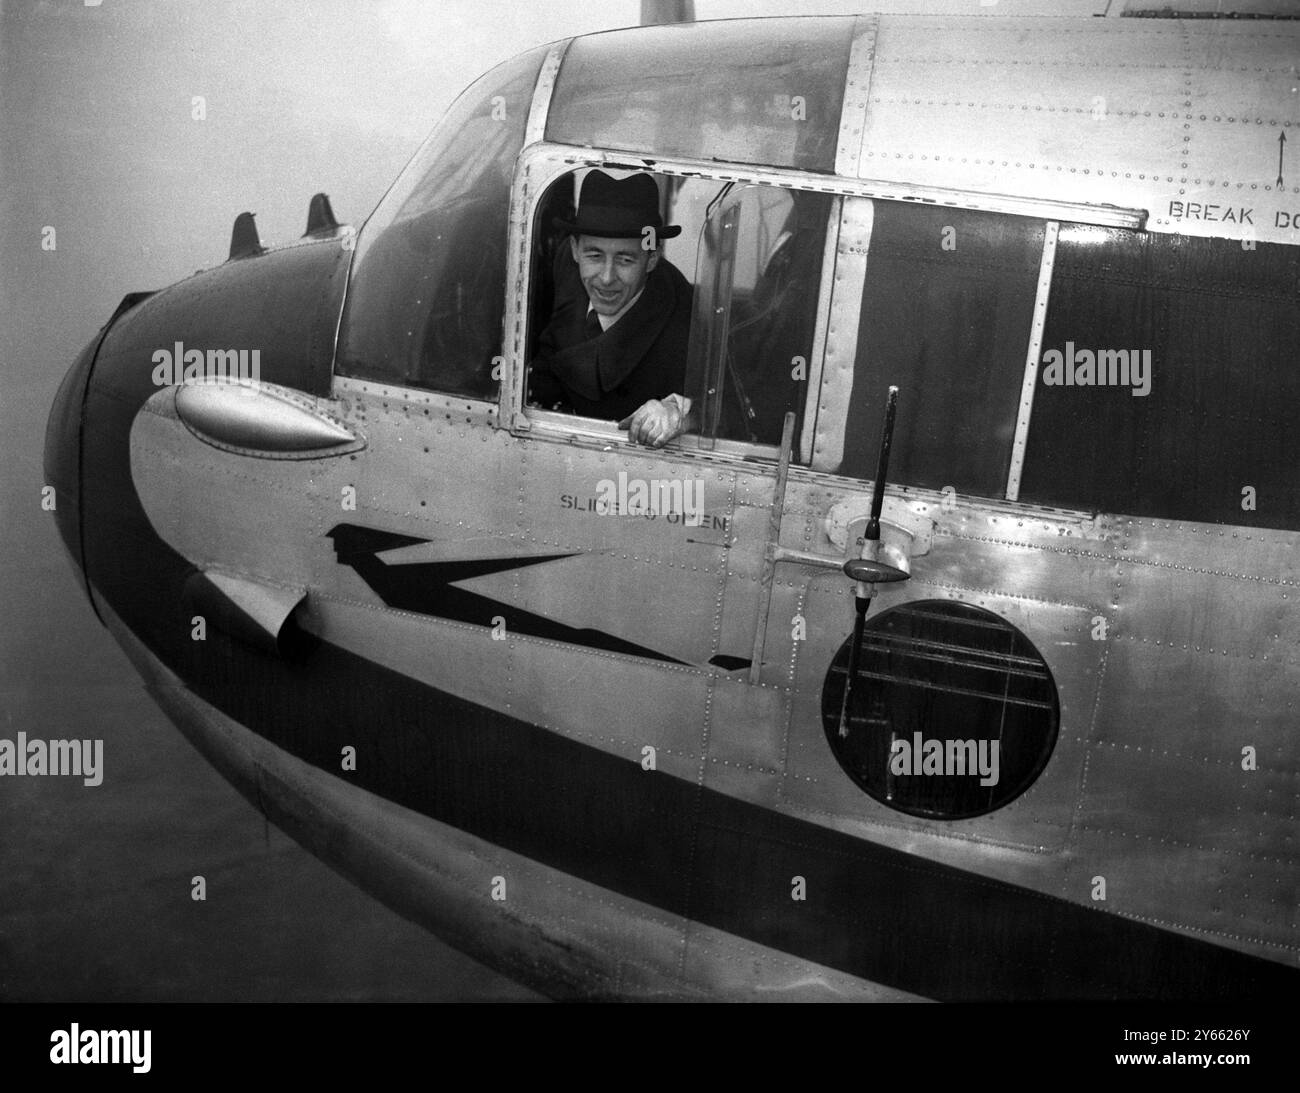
(428,588)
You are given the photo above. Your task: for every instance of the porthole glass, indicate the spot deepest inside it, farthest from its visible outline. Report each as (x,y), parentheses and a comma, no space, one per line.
(953,712)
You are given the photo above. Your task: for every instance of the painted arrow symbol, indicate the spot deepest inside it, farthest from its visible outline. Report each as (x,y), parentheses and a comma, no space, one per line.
(1281,146)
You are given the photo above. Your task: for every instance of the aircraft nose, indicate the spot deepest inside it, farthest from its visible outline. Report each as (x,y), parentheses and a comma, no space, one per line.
(63,454)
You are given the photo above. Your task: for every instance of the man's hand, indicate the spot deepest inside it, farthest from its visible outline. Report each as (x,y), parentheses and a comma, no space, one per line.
(655,423)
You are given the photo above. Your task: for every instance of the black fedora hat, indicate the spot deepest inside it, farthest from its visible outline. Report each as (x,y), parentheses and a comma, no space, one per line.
(618,208)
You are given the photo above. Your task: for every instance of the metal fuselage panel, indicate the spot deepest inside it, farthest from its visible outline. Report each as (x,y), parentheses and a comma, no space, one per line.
(1181,118)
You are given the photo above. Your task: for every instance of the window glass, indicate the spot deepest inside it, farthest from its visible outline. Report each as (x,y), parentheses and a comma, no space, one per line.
(760,261)
(946,312)
(950,674)
(426,298)
(1198,342)
(747,92)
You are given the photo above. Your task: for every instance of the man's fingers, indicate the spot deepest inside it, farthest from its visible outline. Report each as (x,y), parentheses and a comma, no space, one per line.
(650,425)
(636,424)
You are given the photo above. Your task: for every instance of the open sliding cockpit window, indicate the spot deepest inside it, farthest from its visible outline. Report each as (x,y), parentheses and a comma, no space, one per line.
(751,257)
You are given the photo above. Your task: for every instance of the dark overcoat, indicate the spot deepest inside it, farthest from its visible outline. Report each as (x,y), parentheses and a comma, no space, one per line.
(640,357)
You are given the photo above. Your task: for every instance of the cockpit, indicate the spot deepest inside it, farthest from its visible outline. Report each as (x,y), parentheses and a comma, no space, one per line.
(813,291)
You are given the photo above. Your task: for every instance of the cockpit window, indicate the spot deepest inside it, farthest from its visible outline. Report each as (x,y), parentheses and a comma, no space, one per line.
(724,324)
(947,307)
(611,294)
(1168,379)
(760,260)
(425,302)
(726,91)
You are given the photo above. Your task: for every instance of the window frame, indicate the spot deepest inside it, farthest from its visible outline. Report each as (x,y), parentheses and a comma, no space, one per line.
(859,221)
(541,164)
(1144,504)
(816,347)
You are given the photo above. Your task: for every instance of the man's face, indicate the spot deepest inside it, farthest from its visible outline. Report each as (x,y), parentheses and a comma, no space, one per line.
(613,271)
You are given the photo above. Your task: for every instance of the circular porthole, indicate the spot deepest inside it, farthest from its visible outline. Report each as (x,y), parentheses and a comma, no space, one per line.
(952,713)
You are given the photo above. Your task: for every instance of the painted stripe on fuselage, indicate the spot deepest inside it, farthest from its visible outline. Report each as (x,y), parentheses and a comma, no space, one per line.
(569,938)
(428,588)
(871,911)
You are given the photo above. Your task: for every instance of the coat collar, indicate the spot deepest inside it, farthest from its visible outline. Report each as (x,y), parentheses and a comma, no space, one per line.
(595,367)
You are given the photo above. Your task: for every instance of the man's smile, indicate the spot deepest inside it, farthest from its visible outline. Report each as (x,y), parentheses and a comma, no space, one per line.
(613,271)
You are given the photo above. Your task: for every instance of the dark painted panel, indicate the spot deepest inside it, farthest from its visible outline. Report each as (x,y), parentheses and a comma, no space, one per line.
(1220,324)
(63,449)
(946,310)
(63,436)
(284,303)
